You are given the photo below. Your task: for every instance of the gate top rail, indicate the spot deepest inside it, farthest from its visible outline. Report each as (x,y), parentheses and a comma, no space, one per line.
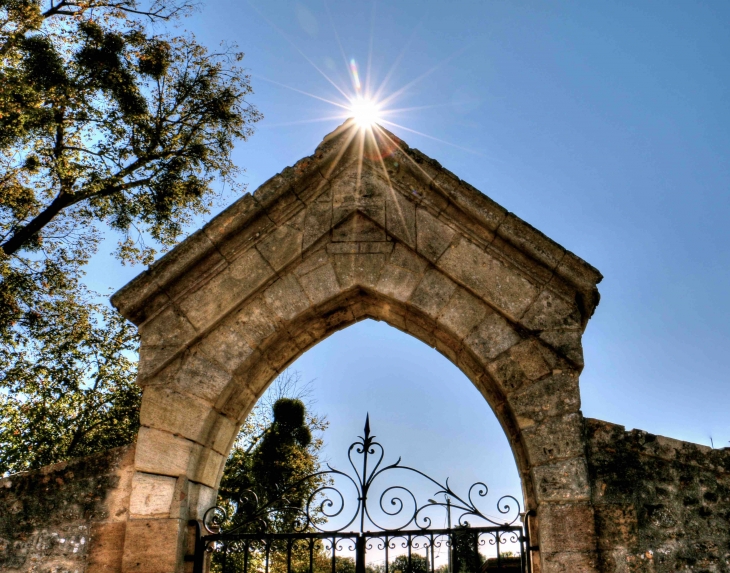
(396,501)
(383,534)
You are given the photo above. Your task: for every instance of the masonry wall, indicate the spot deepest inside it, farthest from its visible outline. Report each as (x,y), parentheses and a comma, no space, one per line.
(661,505)
(67,517)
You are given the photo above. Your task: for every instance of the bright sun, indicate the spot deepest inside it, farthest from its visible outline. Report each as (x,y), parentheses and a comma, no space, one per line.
(365,111)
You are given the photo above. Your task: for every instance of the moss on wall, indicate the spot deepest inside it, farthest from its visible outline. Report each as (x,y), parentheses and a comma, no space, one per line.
(662,505)
(48,516)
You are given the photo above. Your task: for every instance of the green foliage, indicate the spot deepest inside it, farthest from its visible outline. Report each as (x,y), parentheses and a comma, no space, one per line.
(272,466)
(69,393)
(278,446)
(465,555)
(105,123)
(416,564)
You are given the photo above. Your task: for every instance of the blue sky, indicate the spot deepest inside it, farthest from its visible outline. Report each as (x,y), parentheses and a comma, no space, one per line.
(604,124)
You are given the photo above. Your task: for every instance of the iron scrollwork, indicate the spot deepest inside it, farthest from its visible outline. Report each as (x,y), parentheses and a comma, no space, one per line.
(327,502)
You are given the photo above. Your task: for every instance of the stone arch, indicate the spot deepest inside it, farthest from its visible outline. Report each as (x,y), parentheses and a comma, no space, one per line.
(364,228)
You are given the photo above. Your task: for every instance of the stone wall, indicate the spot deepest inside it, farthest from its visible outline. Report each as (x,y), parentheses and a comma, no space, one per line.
(67,517)
(661,505)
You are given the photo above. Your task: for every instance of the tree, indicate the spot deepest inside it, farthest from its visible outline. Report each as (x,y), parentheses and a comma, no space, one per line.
(69,393)
(105,124)
(414,564)
(276,449)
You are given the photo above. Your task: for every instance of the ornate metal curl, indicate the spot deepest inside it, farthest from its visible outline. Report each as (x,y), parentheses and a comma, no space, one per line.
(328,502)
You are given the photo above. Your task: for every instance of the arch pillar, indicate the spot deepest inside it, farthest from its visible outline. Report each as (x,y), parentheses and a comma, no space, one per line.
(364,228)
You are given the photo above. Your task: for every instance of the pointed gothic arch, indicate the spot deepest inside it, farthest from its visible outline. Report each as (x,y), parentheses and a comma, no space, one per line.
(364,228)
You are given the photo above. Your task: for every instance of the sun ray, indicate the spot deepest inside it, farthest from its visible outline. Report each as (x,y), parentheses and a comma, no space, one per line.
(301,53)
(437,139)
(329,101)
(351,135)
(396,63)
(420,78)
(418,107)
(408,157)
(368,72)
(302,121)
(397,204)
(337,36)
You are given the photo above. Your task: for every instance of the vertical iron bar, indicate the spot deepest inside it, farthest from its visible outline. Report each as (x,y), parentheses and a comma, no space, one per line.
(289,545)
(386,553)
(528,544)
(268,553)
(311,555)
(409,542)
(499,553)
(360,554)
(246,549)
(433,558)
(225,557)
(334,541)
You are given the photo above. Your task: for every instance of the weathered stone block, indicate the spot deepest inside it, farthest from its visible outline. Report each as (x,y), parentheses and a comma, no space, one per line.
(377,247)
(223,431)
(317,223)
(188,264)
(169,329)
(251,380)
(488,277)
(523,362)
(194,373)
(152,495)
(433,292)
(358,269)
(226,348)
(551,311)
(566,527)
(232,285)
(564,480)
(358,228)
(179,414)
(233,246)
(555,395)
(566,343)
(348,248)
(434,236)
(239,214)
(282,352)
(397,282)
(312,261)
(153,546)
(462,313)
(255,322)
(564,562)
(160,452)
(286,297)
(400,217)
(493,336)
(530,240)
(405,258)
(208,467)
(281,246)
(555,438)
(202,498)
(320,284)
(106,547)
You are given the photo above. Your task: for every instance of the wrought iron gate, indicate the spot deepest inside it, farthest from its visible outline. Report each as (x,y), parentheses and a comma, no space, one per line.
(327,538)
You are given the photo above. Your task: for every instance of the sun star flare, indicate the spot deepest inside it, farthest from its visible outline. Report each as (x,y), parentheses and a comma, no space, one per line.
(365,111)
